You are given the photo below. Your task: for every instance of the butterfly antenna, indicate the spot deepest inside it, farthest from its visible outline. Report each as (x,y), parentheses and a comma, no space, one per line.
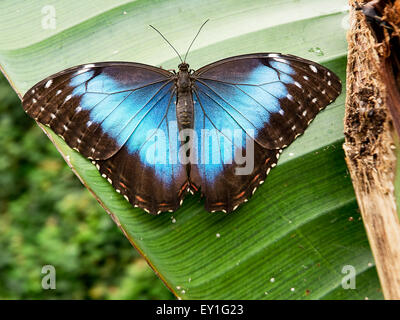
(168,42)
(195,38)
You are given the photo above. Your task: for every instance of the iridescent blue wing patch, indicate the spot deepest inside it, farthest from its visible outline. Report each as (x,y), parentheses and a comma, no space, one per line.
(113,113)
(268,98)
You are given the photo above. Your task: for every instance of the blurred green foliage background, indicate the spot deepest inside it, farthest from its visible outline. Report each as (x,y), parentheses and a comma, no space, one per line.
(48,217)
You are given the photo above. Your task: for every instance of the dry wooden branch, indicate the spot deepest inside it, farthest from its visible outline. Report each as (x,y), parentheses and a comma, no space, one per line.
(372,103)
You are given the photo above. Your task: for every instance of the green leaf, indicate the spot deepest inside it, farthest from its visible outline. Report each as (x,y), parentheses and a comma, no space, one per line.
(301,227)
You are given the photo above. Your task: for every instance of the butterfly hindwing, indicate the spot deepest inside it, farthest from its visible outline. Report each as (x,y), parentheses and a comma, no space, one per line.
(269,99)
(107,112)
(146,170)
(219,142)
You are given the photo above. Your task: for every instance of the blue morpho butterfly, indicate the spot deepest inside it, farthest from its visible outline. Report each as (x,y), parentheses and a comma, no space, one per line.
(156,135)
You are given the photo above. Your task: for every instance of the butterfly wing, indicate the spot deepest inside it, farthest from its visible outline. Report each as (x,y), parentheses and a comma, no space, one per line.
(270,98)
(113,113)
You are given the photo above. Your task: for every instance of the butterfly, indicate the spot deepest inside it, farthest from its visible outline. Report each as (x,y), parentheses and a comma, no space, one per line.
(129,118)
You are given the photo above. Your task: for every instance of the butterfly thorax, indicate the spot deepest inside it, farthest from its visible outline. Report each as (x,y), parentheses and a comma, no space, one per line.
(184,103)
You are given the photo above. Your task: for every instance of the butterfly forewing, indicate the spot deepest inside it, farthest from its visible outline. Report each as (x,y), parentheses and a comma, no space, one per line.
(276,95)
(85,104)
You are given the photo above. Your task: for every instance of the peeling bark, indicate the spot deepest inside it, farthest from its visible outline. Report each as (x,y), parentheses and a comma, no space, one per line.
(372,124)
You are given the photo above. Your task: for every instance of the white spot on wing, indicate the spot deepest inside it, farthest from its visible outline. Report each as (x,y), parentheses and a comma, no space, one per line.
(313,68)
(48,83)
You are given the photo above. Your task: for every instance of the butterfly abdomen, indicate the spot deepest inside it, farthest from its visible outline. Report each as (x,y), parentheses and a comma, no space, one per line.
(184,110)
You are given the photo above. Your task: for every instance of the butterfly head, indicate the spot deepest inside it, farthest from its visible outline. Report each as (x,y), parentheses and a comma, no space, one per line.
(183,66)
